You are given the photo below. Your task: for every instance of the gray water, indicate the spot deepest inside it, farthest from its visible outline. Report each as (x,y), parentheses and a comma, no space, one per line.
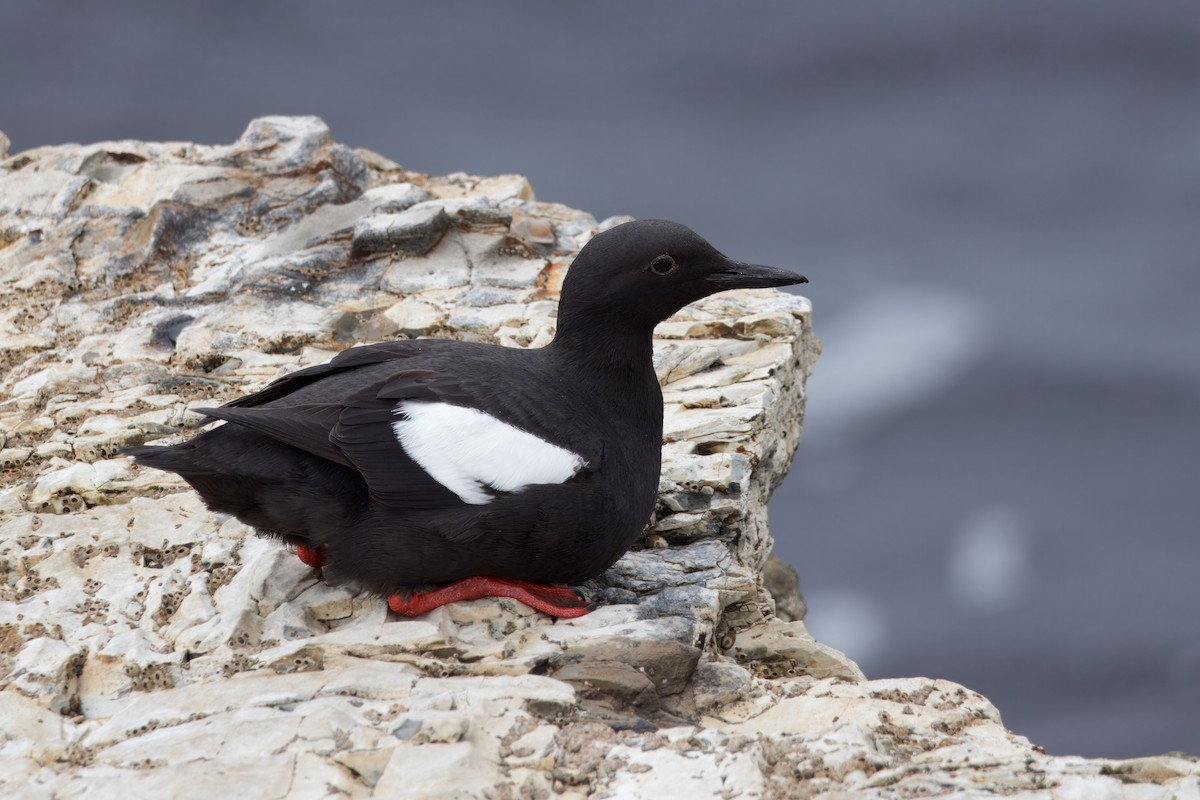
(996,203)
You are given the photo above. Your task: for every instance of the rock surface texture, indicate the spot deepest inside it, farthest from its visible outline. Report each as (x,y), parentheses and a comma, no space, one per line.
(150,648)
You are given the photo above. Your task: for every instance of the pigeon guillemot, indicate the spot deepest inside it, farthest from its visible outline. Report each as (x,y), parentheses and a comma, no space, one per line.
(496,470)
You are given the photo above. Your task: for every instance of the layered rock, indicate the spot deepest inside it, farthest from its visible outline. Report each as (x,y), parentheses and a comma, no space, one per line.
(148,646)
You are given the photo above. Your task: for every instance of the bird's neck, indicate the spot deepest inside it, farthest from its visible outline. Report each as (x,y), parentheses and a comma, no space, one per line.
(608,348)
(604,342)
(613,368)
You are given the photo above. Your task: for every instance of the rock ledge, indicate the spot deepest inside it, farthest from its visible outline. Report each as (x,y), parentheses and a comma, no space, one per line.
(149,648)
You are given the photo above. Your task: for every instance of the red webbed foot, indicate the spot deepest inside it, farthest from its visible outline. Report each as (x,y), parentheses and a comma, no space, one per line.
(557,601)
(313,556)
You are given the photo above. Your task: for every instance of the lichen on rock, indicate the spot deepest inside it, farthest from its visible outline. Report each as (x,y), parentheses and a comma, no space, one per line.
(151,647)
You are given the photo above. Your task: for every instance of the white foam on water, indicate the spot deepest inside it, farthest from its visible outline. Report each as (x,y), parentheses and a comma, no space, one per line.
(990,560)
(889,352)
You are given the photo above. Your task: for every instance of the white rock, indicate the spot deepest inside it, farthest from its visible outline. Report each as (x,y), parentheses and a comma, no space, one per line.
(28,729)
(665,772)
(442,268)
(534,749)
(47,668)
(449,771)
(414,317)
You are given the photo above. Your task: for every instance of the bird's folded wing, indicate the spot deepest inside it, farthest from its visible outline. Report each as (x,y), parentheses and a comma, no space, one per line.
(344,361)
(366,444)
(304,427)
(519,405)
(471,441)
(423,439)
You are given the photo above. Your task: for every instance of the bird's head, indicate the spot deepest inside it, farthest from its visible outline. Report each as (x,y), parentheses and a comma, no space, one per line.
(635,275)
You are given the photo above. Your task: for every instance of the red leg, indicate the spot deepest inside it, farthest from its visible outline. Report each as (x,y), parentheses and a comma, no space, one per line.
(311,555)
(557,601)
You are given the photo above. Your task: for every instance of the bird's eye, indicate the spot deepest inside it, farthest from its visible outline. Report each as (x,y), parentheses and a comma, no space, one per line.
(663,265)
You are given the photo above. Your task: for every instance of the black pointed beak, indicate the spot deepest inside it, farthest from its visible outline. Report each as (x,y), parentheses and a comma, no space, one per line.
(739,275)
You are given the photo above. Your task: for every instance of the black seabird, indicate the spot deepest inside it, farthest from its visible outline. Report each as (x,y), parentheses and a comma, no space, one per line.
(495,470)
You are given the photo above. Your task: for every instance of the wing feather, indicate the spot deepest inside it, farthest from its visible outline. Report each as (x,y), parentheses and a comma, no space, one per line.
(303,427)
(353,421)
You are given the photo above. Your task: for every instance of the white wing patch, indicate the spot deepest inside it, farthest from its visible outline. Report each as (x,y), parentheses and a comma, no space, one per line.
(465,449)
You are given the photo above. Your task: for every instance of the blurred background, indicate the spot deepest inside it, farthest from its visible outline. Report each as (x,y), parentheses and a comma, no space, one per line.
(997,204)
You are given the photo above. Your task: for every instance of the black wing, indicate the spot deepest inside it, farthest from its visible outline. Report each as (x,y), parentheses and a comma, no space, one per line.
(345,361)
(355,433)
(349,420)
